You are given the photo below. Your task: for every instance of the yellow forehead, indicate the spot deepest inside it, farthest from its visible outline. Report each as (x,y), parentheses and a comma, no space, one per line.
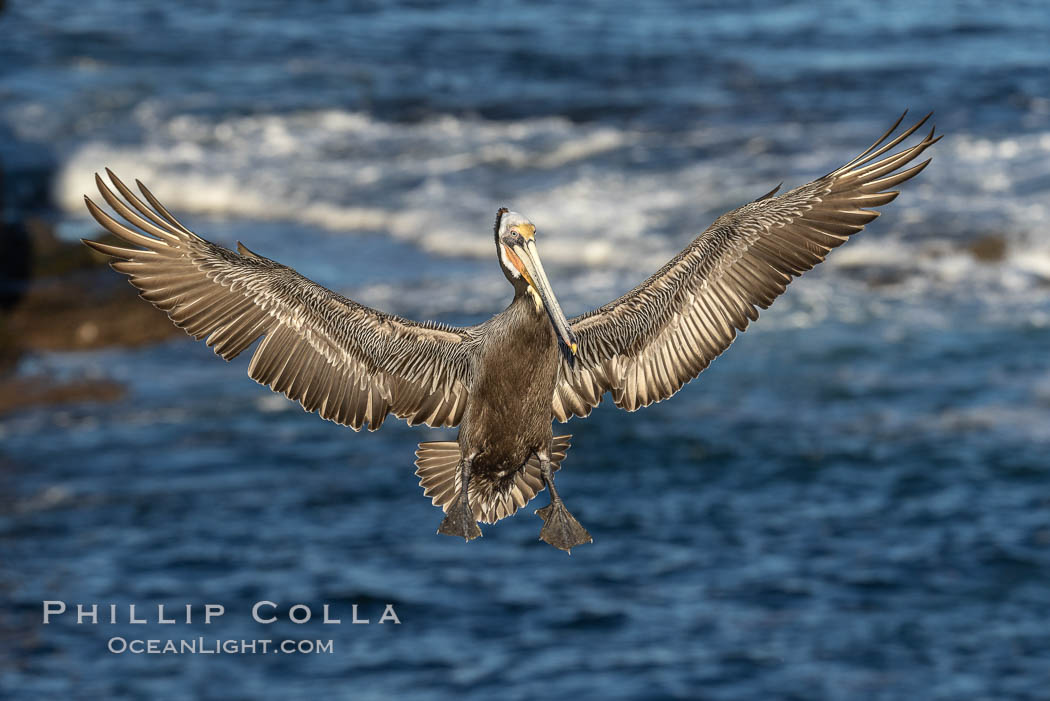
(528,231)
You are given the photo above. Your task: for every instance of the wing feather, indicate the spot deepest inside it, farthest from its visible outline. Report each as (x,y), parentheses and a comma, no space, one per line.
(348,362)
(646,345)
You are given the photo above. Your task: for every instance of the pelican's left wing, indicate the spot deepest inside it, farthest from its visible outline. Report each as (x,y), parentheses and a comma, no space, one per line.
(348,362)
(644,346)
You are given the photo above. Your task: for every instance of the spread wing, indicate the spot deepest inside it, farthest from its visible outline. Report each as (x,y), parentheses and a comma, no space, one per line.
(645,345)
(349,363)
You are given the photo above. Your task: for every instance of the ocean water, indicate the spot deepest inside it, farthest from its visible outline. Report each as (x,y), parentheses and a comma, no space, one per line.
(853,502)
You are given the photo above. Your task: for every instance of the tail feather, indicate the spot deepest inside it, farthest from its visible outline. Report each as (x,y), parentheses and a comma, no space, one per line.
(437,466)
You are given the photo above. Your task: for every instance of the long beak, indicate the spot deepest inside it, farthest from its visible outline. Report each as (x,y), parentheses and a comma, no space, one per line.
(536,277)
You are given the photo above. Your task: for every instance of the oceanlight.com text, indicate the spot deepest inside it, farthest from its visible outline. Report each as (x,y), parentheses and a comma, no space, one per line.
(215,646)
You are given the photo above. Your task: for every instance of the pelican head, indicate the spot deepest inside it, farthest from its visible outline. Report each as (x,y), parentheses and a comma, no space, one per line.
(516,245)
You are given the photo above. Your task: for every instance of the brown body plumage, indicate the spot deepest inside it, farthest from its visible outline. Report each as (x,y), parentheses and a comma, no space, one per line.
(507,397)
(502,381)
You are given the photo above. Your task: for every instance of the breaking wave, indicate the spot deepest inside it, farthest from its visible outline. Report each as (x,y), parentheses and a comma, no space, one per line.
(603,197)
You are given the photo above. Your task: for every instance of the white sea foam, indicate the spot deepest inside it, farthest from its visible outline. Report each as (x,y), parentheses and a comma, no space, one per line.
(437,184)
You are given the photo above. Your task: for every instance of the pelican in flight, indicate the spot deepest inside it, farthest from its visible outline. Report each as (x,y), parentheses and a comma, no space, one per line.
(504,381)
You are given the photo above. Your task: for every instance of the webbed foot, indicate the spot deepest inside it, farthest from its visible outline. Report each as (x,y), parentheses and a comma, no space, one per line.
(459,521)
(560,528)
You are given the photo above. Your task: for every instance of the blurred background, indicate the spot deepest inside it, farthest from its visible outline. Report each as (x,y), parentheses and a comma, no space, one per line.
(851,503)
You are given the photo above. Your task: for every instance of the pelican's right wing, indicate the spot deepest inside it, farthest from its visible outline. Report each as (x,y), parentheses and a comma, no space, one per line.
(644,346)
(348,362)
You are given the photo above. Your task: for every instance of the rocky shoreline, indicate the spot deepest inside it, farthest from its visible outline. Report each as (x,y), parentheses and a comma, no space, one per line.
(60,296)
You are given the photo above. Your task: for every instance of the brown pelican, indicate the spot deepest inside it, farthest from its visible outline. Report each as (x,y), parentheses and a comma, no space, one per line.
(503,381)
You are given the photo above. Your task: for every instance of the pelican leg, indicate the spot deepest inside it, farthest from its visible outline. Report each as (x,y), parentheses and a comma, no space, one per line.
(459,520)
(560,528)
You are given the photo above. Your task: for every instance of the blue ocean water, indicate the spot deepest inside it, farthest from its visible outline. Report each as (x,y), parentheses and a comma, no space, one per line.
(853,502)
